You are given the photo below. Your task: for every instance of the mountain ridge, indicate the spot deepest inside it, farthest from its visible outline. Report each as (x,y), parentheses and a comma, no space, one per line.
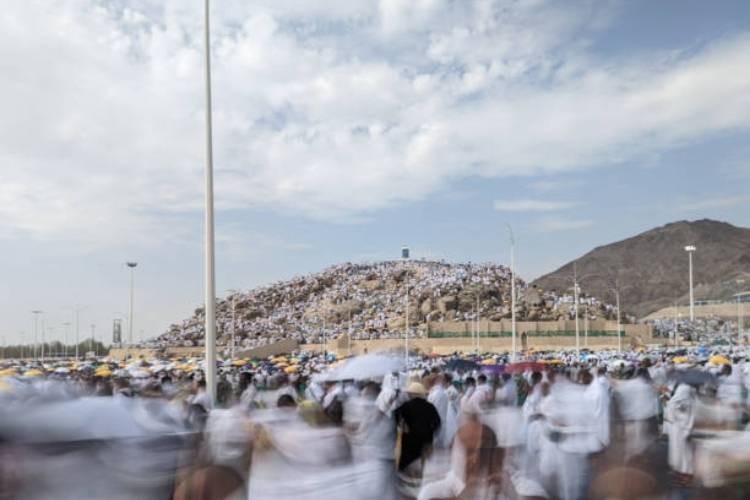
(651,268)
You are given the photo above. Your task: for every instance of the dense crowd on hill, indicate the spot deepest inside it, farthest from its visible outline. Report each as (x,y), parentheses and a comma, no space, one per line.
(369,301)
(700,329)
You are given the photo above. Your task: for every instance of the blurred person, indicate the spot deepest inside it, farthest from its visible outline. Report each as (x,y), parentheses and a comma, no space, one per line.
(418,421)
(680,415)
(371,433)
(439,399)
(469,386)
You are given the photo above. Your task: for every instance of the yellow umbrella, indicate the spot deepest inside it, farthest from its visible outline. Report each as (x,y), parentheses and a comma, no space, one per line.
(291,369)
(33,373)
(103,371)
(489,361)
(680,359)
(8,372)
(239,362)
(719,360)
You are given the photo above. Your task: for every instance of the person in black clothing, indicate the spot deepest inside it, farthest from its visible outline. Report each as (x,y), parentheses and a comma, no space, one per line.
(419,421)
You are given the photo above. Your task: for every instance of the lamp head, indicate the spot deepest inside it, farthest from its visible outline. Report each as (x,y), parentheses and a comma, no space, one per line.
(690,248)
(131,264)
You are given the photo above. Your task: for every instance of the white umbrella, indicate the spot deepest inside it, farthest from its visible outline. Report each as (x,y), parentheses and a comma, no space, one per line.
(368,366)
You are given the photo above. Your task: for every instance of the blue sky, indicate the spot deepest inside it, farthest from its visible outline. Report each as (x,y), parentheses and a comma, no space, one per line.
(345,129)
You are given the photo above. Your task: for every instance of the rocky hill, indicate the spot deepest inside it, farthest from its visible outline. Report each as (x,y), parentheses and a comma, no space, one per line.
(369,300)
(651,269)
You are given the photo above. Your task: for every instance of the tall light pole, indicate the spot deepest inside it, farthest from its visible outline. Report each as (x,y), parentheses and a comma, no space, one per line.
(36,313)
(210,336)
(43,339)
(131,265)
(476,321)
(65,338)
(512,294)
(690,249)
(406,326)
(78,328)
(619,328)
(234,320)
(575,299)
(93,337)
(405,257)
(586,325)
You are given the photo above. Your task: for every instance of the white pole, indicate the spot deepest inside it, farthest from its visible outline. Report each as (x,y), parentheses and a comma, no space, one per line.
(78,316)
(406,330)
(65,339)
(210,337)
(477,323)
(586,325)
(43,338)
(690,249)
(132,300)
(619,329)
(512,294)
(234,322)
(739,320)
(575,299)
(36,314)
(674,341)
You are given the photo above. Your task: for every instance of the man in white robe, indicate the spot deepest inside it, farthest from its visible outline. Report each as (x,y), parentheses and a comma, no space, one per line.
(439,400)
(680,413)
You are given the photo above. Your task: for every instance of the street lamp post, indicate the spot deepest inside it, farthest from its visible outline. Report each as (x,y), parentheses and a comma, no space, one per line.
(406,326)
(234,323)
(210,291)
(575,299)
(36,313)
(65,339)
(512,294)
(586,325)
(619,328)
(690,249)
(131,266)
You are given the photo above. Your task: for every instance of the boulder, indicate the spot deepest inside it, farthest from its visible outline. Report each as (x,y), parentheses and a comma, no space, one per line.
(447,303)
(426,307)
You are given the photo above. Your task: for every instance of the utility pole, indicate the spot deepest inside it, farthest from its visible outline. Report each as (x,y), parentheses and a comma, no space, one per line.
(586,325)
(512,294)
(65,338)
(575,299)
(619,328)
(36,314)
(210,274)
(406,330)
(690,249)
(674,340)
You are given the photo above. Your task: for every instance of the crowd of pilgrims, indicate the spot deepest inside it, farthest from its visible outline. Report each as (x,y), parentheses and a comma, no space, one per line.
(368,301)
(698,329)
(632,426)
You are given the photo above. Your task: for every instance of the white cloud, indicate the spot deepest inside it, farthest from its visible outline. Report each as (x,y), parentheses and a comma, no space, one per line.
(532,205)
(554,224)
(329,109)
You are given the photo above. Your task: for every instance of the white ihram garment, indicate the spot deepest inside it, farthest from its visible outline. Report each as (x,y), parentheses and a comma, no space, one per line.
(681,416)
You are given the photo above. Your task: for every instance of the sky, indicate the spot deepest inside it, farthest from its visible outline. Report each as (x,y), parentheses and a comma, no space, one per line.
(344,129)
